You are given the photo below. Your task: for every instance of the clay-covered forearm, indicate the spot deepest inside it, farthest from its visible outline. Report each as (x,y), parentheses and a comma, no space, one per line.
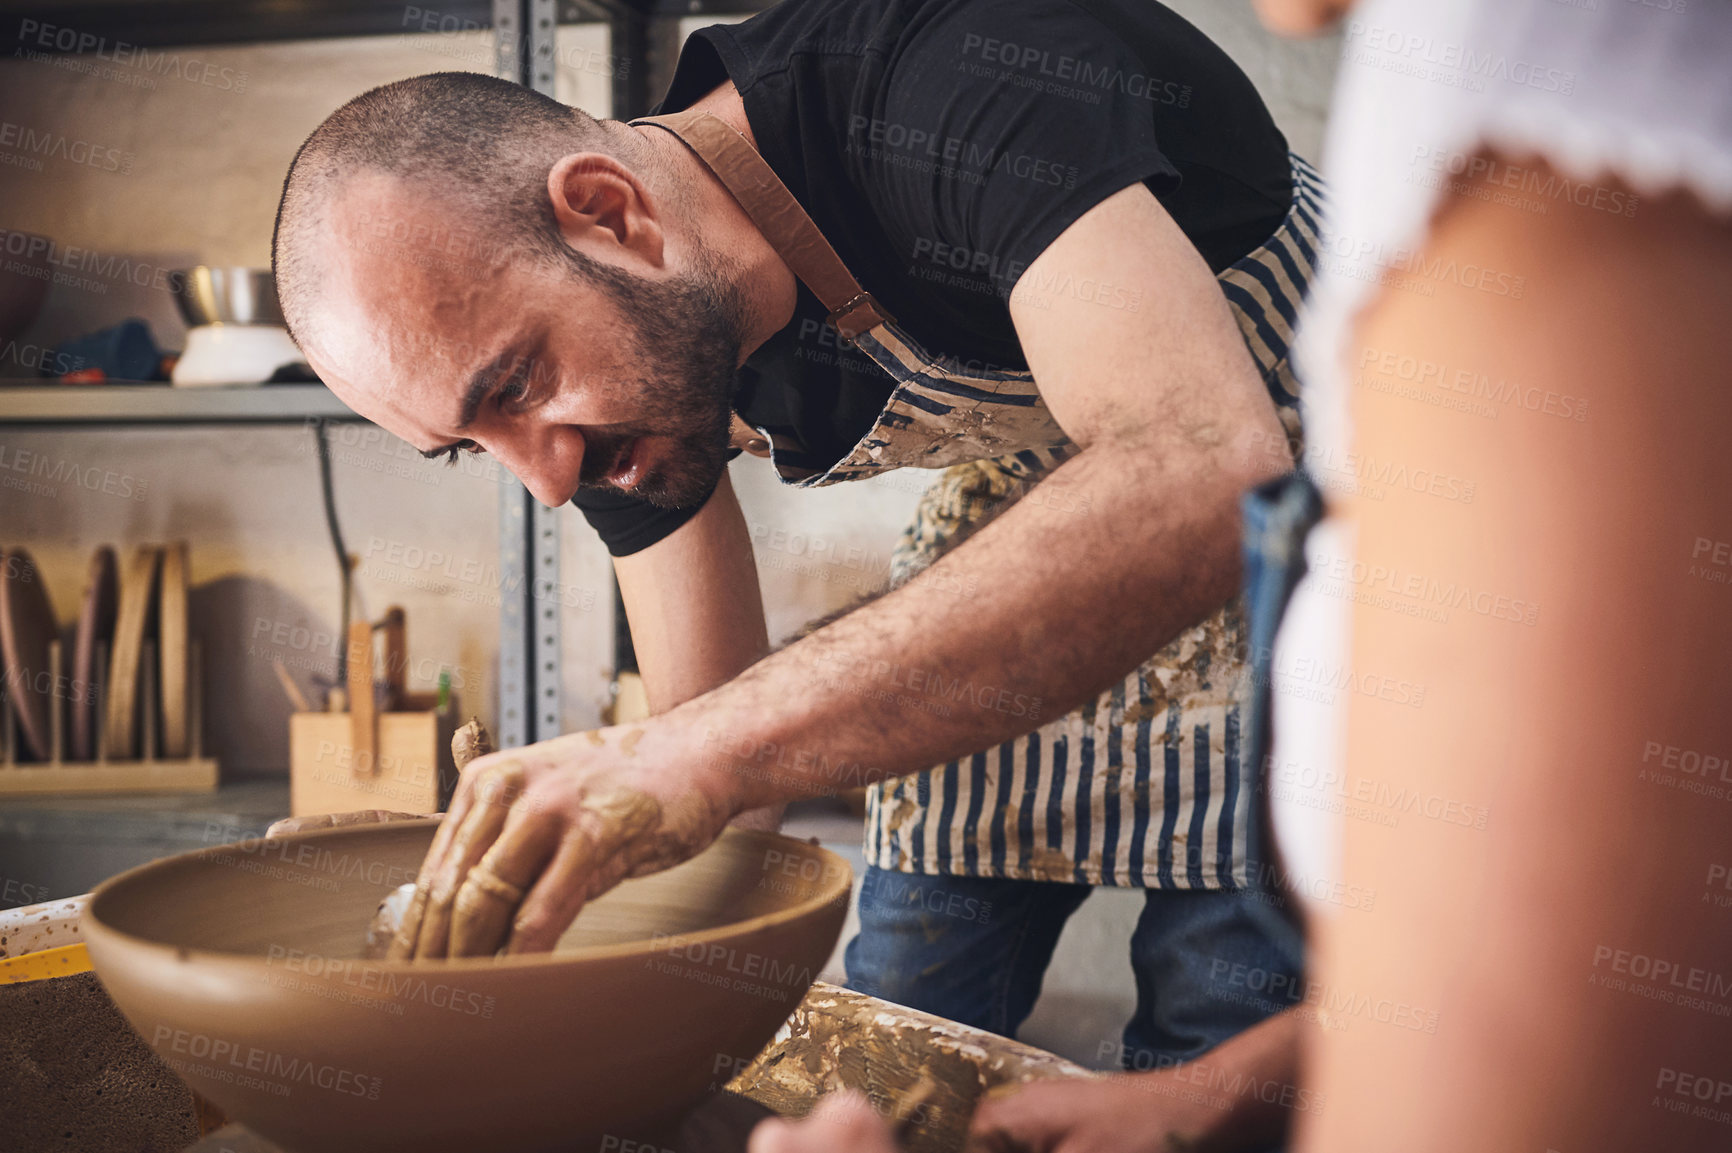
(1133,539)
(1105,561)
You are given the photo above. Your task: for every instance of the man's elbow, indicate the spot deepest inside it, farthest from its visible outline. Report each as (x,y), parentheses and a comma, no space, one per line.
(1262,450)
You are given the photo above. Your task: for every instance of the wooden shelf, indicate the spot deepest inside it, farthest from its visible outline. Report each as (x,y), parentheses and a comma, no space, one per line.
(164,404)
(186,776)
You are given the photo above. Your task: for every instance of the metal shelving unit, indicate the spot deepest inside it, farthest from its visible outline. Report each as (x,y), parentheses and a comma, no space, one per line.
(116,404)
(644,32)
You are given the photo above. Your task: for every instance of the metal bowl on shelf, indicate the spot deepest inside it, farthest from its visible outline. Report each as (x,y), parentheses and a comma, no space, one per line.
(228,295)
(235,328)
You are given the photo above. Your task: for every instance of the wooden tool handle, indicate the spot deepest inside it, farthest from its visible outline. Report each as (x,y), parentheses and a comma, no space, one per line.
(297,698)
(363,711)
(396,657)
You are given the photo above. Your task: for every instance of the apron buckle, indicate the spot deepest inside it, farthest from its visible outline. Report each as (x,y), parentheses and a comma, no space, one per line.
(858,315)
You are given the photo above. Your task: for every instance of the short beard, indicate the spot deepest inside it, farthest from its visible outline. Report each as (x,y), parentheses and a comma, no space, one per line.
(690,330)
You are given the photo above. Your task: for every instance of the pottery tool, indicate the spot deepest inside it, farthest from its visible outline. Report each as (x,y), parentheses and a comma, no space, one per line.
(394,628)
(293,691)
(94,631)
(363,702)
(378,746)
(27,628)
(62,961)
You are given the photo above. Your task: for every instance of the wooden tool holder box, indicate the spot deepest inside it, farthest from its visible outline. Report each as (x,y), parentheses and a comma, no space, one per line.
(148,772)
(391,749)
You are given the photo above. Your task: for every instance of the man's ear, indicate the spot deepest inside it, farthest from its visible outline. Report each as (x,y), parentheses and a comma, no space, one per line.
(603,208)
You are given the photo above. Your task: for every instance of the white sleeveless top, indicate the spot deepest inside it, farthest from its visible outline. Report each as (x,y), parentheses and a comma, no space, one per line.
(1637,92)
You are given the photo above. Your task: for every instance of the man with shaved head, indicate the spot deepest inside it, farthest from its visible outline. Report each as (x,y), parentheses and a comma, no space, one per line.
(1052,247)
(420,220)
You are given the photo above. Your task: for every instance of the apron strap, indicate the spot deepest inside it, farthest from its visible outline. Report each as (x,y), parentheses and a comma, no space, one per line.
(778,216)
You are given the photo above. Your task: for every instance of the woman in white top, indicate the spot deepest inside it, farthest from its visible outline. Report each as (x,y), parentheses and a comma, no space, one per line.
(1522,418)
(1501,695)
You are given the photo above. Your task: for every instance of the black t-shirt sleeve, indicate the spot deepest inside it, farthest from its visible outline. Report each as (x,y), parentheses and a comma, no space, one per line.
(1035,112)
(626,525)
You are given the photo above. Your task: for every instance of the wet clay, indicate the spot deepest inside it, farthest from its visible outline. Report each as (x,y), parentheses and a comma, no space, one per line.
(396,925)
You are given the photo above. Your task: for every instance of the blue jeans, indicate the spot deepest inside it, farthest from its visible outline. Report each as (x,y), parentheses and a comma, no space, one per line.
(975,949)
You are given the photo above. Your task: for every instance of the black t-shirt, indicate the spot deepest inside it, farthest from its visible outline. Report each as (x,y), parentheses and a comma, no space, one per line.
(941,145)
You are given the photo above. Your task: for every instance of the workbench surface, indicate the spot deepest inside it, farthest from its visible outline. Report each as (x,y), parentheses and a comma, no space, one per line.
(721,1125)
(912,1066)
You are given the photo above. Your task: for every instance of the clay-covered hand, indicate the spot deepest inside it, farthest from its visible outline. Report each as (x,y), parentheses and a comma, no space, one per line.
(534,833)
(842,1123)
(1134,1113)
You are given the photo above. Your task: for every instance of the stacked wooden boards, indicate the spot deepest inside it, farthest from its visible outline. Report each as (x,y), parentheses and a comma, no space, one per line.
(90,640)
(118,689)
(27,630)
(132,628)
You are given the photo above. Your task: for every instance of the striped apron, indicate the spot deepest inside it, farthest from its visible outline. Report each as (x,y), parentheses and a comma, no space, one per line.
(1142,787)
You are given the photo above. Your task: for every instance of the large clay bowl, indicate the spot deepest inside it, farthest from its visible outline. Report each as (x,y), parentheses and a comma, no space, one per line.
(241,966)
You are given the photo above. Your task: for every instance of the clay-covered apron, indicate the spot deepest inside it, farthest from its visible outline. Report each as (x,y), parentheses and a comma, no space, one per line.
(939,414)
(943,414)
